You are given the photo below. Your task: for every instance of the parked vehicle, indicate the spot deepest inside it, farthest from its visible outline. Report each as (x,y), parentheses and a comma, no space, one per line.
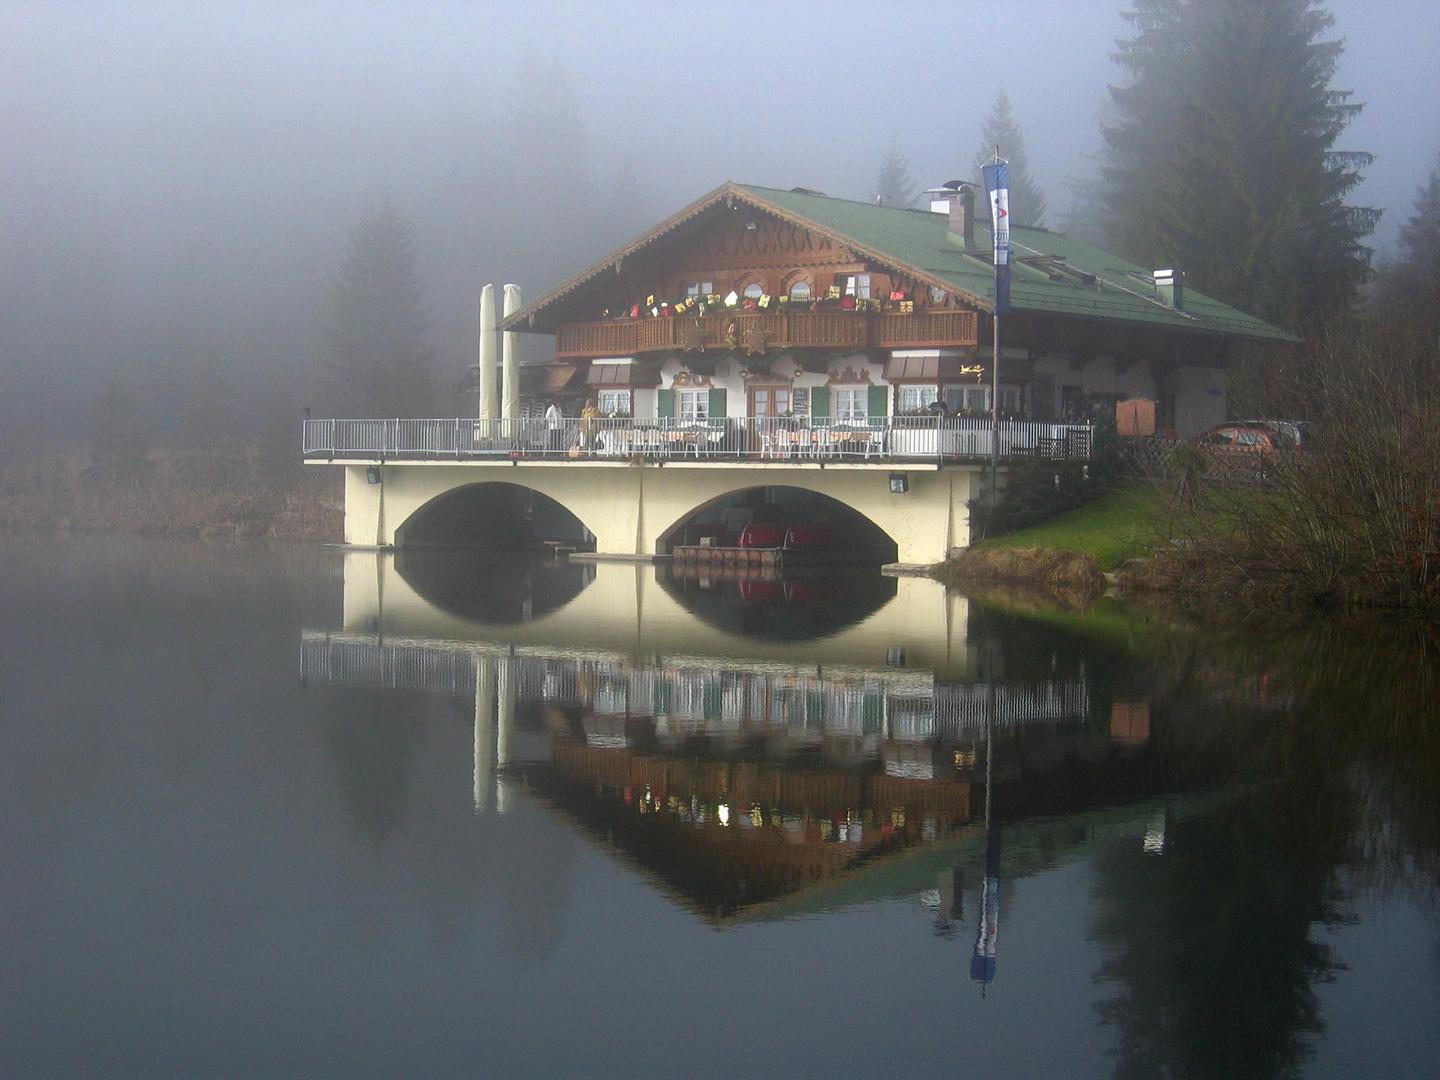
(1244,450)
(1246,439)
(1290,434)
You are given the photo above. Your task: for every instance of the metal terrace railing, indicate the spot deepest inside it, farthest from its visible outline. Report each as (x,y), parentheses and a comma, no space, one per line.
(777,439)
(691,695)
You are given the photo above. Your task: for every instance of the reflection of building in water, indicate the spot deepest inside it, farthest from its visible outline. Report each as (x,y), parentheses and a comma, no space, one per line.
(728,834)
(755,757)
(712,696)
(737,783)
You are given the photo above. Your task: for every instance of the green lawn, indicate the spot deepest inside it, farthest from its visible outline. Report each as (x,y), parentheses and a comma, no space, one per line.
(1113,528)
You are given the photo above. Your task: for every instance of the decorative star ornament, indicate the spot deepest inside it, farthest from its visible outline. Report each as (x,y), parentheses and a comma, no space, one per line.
(692,336)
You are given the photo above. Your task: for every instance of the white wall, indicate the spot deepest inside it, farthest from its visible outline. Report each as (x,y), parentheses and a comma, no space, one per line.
(1100,375)
(1200,401)
(781,368)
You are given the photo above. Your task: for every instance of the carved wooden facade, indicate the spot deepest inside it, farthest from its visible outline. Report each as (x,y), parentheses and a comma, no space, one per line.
(755,334)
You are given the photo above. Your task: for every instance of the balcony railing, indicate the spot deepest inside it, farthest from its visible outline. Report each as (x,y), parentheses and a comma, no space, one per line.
(756,333)
(778,440)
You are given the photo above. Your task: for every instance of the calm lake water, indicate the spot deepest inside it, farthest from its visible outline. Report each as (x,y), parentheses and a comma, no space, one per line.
(293,813)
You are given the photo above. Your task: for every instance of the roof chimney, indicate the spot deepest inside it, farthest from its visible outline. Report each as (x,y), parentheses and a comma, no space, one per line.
(1170,288)
(962,214)
(943,196)
(957,199)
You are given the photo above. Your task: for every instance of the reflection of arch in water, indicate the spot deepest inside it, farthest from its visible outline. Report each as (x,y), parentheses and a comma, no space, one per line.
(853,537)
(496,588)
(805,604)
(495,515)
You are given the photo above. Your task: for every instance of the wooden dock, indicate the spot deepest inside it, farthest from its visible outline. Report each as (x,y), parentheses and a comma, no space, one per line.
(729,556)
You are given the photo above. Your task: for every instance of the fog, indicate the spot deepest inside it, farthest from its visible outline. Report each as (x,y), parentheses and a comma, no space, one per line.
(178,182)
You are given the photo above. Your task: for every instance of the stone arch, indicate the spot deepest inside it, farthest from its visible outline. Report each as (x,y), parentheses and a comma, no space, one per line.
(629,506)
(490,513)
(674,532)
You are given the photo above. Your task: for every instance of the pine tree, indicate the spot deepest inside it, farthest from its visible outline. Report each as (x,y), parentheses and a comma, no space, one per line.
(119,448)
(1410,287)
(377,321)
(546,182)
(625,209)
(1027,201)
(893,186)
(1222,158)
(206,454)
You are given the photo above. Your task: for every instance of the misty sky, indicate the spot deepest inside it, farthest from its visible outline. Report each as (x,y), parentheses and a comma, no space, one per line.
(212,157)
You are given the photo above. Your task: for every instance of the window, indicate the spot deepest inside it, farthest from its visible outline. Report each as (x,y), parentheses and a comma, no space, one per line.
(753,291)
(769,400)
(692,405)
(858,286)
(1010,401)
(852,404)
(977,399)
(915,398)
(1072,403)
(614,403)
(800,292)
(700,288)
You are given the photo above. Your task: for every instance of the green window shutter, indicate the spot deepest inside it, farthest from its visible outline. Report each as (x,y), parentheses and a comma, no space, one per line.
(820,402)
(879,401)
(665,404)
(717,403)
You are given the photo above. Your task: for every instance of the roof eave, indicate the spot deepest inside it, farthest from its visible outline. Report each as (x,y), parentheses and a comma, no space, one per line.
(525,318)
(526,315)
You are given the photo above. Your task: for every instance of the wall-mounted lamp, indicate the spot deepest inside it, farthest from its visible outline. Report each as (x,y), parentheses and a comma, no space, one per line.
(372,475)
(899,483)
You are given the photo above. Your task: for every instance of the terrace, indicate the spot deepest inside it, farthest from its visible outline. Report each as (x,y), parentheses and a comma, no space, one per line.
(781,440)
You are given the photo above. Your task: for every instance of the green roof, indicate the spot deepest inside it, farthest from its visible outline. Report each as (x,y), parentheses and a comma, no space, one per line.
(921,240)
(1082,281)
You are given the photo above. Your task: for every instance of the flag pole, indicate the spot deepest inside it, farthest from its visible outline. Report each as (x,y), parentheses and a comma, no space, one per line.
(997,184)
(995,409)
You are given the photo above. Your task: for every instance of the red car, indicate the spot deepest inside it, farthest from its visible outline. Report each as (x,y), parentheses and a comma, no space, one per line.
(1240,451)
(1244,439)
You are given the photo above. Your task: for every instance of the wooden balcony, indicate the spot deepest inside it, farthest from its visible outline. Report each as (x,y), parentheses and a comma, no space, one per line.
(755,334)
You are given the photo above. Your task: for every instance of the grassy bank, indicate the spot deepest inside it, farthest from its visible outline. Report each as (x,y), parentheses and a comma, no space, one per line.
(1113,528)
(1073,549)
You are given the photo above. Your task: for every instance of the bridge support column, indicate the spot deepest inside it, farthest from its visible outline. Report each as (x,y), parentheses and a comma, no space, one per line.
(484,729)
(505,728)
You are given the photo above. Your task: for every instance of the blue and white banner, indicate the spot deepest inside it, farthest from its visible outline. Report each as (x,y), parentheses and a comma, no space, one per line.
(997,183)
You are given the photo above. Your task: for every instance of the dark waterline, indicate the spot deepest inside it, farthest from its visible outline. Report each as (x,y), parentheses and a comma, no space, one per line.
(282,812)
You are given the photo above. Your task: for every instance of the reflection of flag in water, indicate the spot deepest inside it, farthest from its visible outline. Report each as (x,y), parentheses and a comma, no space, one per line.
(982,963)
(997,183)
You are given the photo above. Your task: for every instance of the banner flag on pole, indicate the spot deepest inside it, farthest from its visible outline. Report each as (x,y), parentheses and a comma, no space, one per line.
(997,183)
